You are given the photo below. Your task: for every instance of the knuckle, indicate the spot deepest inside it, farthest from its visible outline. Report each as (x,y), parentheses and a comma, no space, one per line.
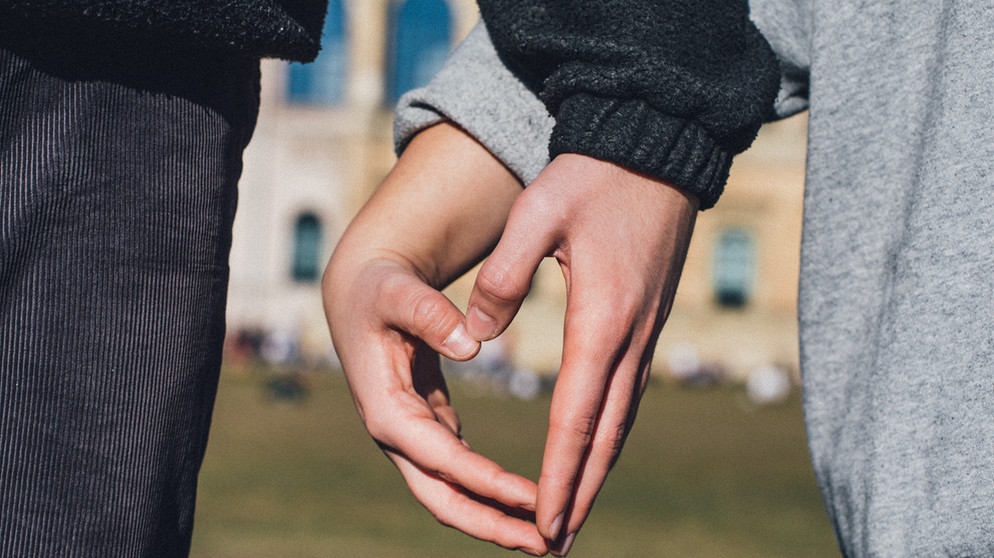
(494,477)
(576,430)
(500,285)
(379,427)
(615,439)
(621,310)
(428,314)
(542,198)
(375,428)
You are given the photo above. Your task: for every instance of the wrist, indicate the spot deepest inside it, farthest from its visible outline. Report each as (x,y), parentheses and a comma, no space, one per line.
(633,135)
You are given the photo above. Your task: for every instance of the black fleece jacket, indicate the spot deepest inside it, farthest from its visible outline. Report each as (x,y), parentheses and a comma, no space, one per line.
(669,88)
(289,29)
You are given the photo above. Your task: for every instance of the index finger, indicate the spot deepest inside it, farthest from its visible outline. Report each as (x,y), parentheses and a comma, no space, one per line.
(453,507)
(433,447)
(590,352)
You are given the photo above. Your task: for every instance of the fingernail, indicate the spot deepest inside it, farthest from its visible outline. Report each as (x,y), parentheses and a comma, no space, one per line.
(557,524)
(532,551)
(567,544)
(460,343)
(485,322)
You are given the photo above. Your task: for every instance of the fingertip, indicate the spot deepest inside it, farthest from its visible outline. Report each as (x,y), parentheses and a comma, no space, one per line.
(460,344)
(480,326)
(536,546)
(556,527)
(533,551)
(517,492)
(562,548)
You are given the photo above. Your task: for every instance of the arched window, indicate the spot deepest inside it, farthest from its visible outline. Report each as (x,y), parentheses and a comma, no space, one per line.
(307,248)
(322,82)
(420,37)
(734,268)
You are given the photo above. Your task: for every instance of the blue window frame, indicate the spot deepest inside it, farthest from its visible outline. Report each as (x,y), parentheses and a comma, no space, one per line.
(307,240)
(322,82)
(734,268)
(420,38)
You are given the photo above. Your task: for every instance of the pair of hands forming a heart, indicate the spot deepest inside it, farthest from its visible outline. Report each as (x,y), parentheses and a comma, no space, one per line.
(620,239)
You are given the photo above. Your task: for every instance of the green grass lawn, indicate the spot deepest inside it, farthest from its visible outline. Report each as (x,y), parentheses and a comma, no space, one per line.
(703,474)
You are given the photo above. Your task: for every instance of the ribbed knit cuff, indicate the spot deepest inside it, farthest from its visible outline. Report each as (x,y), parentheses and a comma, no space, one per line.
(632,134)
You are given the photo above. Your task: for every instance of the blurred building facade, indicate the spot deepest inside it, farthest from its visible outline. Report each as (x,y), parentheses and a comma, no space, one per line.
(324,141)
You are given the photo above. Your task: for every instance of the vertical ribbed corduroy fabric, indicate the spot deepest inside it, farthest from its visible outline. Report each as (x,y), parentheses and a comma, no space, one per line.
(118,173)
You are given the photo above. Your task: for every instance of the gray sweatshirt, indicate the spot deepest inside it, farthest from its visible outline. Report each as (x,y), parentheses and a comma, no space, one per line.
(896,301)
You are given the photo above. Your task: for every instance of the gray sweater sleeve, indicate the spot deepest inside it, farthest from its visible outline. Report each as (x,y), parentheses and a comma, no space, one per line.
(475,91)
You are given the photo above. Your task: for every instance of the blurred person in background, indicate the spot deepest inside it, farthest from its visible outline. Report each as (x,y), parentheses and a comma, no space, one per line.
(628,99)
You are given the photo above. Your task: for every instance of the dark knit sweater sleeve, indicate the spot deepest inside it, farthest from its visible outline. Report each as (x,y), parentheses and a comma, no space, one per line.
(289,29)
(669,88)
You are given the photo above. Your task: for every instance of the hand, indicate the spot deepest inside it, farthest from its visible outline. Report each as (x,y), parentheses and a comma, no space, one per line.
(620,239)
(436,215)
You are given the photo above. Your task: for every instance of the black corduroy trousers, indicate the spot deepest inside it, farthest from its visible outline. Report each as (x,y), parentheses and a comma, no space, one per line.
(118,173)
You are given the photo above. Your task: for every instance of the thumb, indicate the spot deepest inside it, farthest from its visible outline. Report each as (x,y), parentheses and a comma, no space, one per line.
(410,305)
(505,277)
